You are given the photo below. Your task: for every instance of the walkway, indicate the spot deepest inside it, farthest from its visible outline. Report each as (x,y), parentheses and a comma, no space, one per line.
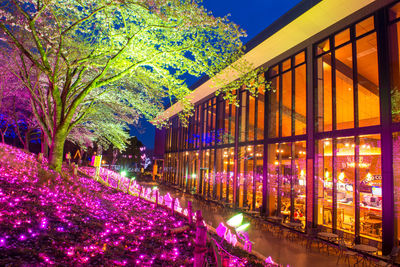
(281,250)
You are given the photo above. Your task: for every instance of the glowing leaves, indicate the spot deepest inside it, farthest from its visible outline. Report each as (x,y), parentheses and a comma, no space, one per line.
(236,220)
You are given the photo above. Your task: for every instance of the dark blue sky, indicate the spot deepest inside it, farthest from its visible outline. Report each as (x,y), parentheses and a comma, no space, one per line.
(252,15)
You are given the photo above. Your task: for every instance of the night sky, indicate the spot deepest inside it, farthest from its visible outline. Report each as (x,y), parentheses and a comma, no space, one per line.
(252,15)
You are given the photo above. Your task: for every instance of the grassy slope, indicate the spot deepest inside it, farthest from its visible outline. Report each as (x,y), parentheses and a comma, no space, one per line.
(46,218)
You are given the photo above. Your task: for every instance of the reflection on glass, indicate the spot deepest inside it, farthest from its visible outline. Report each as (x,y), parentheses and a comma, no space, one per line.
(368,81)
(283,157)
(342,37)
(272,179)
(394,42)
(345,183)
(344,88)
(273,119)
(252,116)
(370,186)
(287,104)
(299,182)
(396,178)
(227,175)
(300,100)
(324,72)
(365,26)
(325,182)
(243,117)
(258,176)
(260,114)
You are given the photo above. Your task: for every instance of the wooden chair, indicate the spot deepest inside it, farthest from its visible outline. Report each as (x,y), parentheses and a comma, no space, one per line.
(390,260)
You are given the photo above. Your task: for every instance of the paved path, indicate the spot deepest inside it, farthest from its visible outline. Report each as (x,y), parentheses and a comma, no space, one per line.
(283,251)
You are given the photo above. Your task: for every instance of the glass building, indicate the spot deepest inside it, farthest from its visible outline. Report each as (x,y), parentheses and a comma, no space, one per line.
(323,146)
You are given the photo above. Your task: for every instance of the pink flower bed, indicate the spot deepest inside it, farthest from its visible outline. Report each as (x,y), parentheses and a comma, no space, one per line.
(46,219)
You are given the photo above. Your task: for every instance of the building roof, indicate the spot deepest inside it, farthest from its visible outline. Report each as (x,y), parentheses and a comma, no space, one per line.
(305,20)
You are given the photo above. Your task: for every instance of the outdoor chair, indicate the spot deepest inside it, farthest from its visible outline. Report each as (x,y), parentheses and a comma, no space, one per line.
(390,260)
(311,237)
(345,253)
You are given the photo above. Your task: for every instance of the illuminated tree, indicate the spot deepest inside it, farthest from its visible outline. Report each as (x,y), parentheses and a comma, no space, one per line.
(71,53)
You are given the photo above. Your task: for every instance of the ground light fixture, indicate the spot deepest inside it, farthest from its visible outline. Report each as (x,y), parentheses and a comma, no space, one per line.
(123,173)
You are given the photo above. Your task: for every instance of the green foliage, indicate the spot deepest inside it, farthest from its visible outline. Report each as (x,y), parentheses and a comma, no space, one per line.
(77,57)
(395,93)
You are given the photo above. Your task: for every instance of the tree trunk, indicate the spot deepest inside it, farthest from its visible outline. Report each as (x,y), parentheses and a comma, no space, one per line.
(44,146)
(57,150)
(2,138)
(26,143)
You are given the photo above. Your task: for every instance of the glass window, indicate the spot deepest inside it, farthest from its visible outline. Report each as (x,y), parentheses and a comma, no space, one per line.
(324,162)
(232,129)
(342,37)
(368,81)
(300,58)
(246,172)
(299,181)
(220,123)
(370,186)
(258,176)
(344,88)
(324,104)
(365,26)
(394,42)
(252,117)
(286,64)
(227,175)
(300,100)
(260,115)
(323,46)
(396,178)
(227,129)
(345,182)
(243,117)
(273,119)
(287,104)
(274,172)
(219,174)
(394,12)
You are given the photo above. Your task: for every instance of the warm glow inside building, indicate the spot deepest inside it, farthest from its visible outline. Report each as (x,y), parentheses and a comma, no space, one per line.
(321,148)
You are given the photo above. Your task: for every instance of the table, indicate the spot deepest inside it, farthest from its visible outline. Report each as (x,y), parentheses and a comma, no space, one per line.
(375,224)
(329,236)
(295,224)
(275,219)
(253,212)
(365,249)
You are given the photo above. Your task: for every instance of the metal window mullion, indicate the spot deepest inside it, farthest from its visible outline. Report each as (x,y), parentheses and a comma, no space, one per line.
(245,171)
(292,173)
(357,188)
(254,176)
(200,163)
(355,77)
(279,197)
(280,104)
(292,115)
(236,152)
(334,184)
(388,208)
(333,72)
(255,129)
(246,127)
(265,200)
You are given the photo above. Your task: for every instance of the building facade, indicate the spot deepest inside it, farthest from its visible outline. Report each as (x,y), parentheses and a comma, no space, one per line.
(322,147)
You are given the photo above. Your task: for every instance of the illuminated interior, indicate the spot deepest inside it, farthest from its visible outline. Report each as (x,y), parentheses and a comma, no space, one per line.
(338,187)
